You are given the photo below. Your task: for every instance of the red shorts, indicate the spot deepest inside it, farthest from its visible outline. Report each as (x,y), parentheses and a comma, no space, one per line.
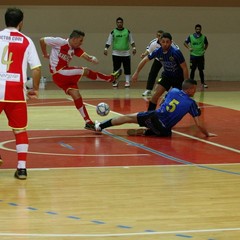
(16,114)
(68,78)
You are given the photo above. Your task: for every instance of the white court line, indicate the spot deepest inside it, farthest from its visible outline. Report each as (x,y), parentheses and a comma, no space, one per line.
(120,234)
(208,142)
(125,167)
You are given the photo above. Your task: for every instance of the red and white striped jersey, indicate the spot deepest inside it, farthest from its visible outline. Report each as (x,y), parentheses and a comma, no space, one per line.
(61,53)
(16,52)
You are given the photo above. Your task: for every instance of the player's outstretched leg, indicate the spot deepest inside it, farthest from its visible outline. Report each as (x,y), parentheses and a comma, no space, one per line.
(103,77)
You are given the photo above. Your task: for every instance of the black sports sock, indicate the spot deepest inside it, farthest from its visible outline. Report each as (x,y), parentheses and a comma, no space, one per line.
(106,124)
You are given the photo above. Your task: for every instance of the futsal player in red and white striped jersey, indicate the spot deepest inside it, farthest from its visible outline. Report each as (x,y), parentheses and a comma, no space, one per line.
(66,77)
(16,52)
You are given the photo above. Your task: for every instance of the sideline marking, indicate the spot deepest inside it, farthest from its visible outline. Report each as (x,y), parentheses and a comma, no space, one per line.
(121,234)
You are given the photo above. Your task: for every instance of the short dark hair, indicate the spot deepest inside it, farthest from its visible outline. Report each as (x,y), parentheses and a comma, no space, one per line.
(188,83)
(76,34)
(167,35)
(119,19)
(13,17)
(198,26)
(160,31)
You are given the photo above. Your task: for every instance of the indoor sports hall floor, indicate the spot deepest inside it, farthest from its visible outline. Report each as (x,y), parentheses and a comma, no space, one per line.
(83,185)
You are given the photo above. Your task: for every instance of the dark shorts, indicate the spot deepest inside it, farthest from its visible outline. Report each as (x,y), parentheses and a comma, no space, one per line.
(170,82)
(153,124)
(197,62)
(119,60)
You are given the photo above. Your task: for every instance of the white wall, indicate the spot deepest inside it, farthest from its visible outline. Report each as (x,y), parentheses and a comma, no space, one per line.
(220,25)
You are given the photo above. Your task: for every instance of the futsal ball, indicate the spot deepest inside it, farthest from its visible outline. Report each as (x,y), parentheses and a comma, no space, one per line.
(102,109)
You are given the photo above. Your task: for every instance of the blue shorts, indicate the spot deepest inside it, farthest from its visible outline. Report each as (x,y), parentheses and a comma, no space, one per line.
(153,124)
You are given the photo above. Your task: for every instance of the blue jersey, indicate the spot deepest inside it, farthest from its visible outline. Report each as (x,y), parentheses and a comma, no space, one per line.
(170,61)
(175,106)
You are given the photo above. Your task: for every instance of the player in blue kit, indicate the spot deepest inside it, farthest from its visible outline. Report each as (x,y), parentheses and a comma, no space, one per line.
(174,68)
(160,122)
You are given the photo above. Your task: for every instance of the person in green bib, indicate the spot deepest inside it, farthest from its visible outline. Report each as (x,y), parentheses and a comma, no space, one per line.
(120,39)
(197,44)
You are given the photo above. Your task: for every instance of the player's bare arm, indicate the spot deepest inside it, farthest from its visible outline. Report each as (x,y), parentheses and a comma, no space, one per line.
(144,54)
(203,129)
(36,75)
(187,46)
(43,46)
(139,68)
(90,58)
(134,51)
(185,70)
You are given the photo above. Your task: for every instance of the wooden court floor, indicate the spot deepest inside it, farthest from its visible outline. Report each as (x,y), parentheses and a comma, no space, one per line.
(83,185)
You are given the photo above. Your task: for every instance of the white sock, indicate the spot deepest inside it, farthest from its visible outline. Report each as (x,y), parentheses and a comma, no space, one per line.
(21,164)
(127,77)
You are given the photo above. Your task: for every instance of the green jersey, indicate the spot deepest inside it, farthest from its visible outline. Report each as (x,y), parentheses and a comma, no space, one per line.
(120,39)
(197,45)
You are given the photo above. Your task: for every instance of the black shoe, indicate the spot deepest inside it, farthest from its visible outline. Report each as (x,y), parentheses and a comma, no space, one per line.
(115,83)
(90,126)
(21,173)
(1,161)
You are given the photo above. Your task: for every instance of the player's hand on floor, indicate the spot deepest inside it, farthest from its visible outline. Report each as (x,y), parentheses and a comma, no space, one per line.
(212,135)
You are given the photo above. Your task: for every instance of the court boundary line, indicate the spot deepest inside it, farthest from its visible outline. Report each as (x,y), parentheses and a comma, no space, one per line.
(126,167)
(122,234)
